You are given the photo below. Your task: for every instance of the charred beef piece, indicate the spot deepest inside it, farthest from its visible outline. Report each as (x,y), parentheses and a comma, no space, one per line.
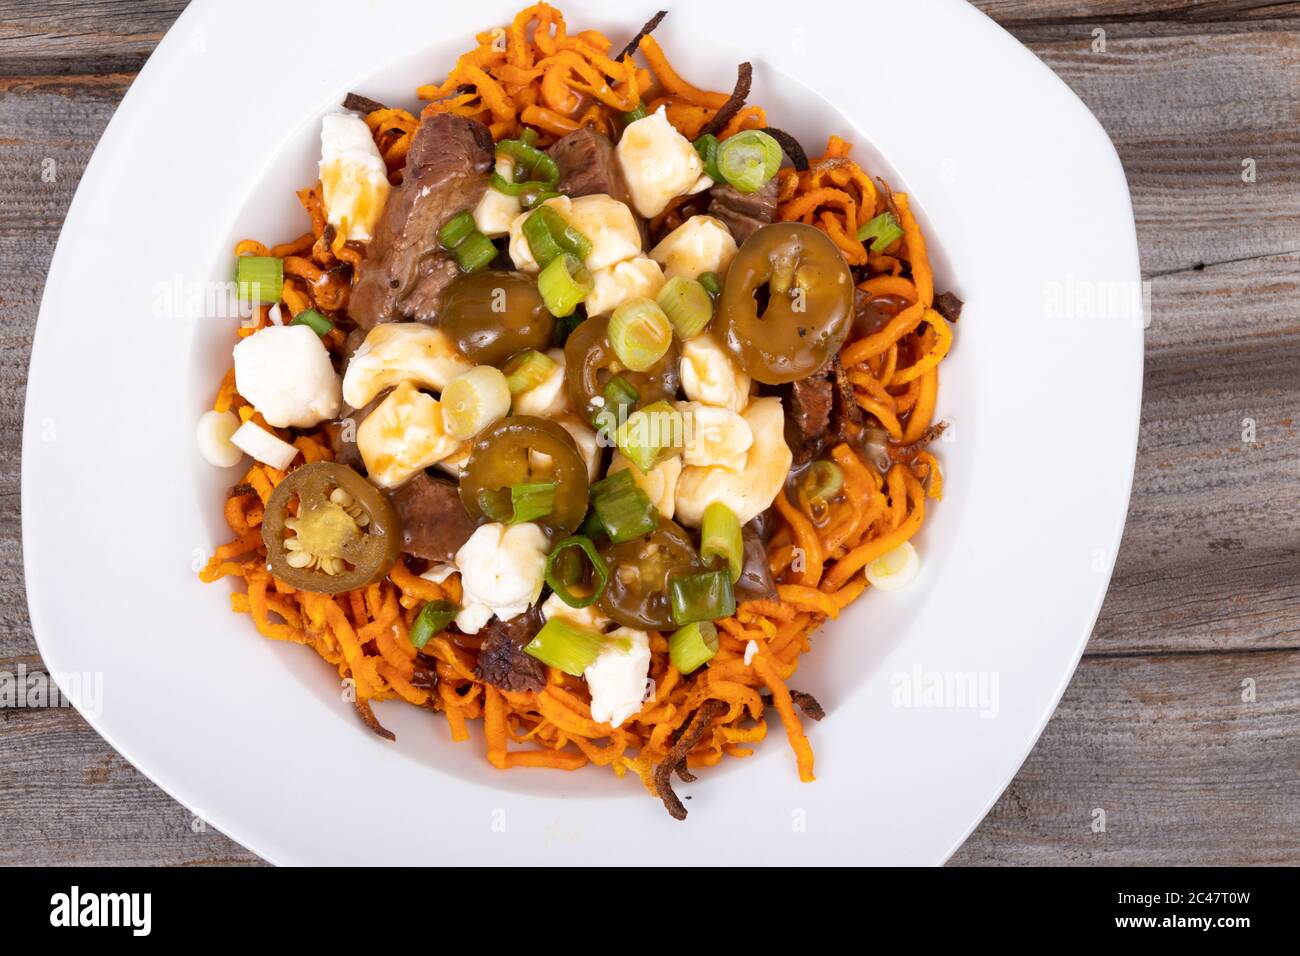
(743,213)
(588,166)
(405,269)
(502,661)
(845,410)
(755,582)
(948,305)
(808,415)
(343,434)
(434,523)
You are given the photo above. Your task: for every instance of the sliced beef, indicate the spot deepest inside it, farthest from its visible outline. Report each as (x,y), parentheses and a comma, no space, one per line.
(434,522)
(756,583)
(405,269)
(588,166)
(808,415)
(743,213)
(847,415)
(502,661)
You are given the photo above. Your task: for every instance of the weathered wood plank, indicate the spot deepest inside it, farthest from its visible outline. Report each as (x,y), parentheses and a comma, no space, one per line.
(1012,13)
(81,36)
(1187,772)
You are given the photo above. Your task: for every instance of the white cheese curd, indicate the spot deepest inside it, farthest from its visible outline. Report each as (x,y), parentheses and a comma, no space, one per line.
(700,244)
(454,462)
(550,396)
(586,440)
(439,573)
(589,618)
(400,352)
(403,436)
(213,435)
(714,436)
(710,375)
(659,483)
(658,163)
(617,677)
(284,371)
(895,568)
(640,276)
(502,569)
(353,177)
(751,490)
(496,211)
(263,446)
(608,223)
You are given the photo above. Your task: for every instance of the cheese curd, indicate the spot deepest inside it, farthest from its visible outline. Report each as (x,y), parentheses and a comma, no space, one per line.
(608,223)
(496,211)
(397,352)
(714,436)
(403,436)
(632,278)
(285,372)
(749,491)
(353,177)
(550,396)
(710,375)
(658,163)
(502,569)
(589,617)
(700,244)
(617,677)
(659,483)
(263,446)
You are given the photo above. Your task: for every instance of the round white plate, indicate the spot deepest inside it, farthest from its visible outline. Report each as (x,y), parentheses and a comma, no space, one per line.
(934,694)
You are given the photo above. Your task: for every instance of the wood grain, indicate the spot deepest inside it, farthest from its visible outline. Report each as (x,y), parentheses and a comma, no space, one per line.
(1205,591)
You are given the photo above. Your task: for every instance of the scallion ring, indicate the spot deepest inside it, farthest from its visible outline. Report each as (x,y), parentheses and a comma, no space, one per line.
(555,579)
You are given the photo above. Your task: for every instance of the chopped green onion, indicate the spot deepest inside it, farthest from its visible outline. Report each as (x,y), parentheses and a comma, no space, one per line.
(495,503)
(650,434)
(707,147)
(822,480)
(711,284)
(559,577)
(260,278)
(881,232)
(623,509)
(693,646)
(533,167)
(561,645)
(456,230)
(563,284)
(475,253)
(564,326)
(749,159)
(639,333)
(720,539)
(550,236)
(687,304)
(432,619)
(314,321)
(533,200)
(527,370)
(631,116)
(701,597)
(619,393)
(531,501)
(592,527)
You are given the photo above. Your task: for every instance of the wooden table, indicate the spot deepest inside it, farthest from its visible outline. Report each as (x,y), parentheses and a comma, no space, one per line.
(1206,592)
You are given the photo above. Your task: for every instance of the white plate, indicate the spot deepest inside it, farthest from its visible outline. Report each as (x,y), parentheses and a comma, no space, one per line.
(1028,217)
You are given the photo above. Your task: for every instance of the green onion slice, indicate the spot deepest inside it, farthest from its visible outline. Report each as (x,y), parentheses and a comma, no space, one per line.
(619,393)
(475,252)
(260,278)
(701,597)
(531,501)
(623,510)
(650,434)
(432,619)
(693,646)
(881,232)
(563,284)
(687,304)
(314,321)
(707,147)
(534,168)
(560,575)
(456,230)
(550,236)
(533,200)
(822,480)
(527,370)
(639,333)
(561,645)
(749,159)
(631,116)
(720,539)
(711,283)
